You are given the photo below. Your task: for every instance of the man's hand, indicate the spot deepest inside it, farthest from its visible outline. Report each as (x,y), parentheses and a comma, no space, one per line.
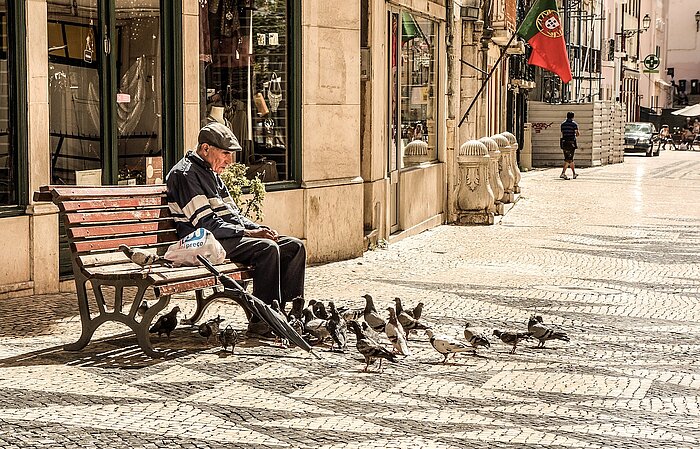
(262,233)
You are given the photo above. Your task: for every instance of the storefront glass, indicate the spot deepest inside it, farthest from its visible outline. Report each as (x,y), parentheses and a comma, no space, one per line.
(244,79)
(418,89)
(81,126)
(75,129)
(8,153)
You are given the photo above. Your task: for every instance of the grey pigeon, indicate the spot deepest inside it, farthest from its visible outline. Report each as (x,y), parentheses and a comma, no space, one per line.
(512,338)
(372,317)
(297,307)
(369,348)
(476,337)
(544,332)
(337,327)
(315,327)
(143,308)
(349,314)
(166,323)
(418,311)
(320,310)
(396,334)
(407,321)
(446,345)
(143,258)
(210,328)
(228,337)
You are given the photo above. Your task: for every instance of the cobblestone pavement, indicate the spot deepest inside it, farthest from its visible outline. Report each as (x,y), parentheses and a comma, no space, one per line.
(611,257)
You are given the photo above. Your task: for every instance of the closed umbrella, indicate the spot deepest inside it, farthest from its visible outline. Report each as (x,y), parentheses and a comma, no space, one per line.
(278,324)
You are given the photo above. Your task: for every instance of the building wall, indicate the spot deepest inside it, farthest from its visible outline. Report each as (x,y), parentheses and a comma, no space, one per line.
(683,39)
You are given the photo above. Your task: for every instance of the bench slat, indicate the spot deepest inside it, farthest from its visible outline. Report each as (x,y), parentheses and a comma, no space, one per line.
(115,230)
(112,203)
(85,246)
(197,284)
(159,275)
(66,193)
(122,215)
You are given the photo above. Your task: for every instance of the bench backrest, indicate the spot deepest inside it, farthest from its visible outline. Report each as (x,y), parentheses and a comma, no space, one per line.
(99,219)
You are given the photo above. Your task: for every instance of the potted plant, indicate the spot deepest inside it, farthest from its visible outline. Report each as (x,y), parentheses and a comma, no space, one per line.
(248,194)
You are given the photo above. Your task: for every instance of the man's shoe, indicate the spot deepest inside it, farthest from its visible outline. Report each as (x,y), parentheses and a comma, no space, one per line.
(259,329)
(575,176)
(563,176)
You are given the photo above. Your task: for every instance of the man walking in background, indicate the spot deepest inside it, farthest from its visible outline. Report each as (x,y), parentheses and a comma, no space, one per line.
(569,133)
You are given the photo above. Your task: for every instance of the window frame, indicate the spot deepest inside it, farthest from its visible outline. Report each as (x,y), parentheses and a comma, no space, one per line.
(17,61)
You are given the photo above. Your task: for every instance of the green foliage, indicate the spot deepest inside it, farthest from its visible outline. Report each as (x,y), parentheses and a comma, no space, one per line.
(236,181)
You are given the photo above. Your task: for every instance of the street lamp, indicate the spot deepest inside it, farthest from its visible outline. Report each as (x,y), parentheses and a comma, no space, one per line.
(697,21)
(646,23)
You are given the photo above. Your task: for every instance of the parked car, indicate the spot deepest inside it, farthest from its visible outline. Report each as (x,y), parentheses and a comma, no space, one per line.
(640,137)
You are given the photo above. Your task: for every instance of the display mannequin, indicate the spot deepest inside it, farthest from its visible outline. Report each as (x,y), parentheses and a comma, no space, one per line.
(217,114)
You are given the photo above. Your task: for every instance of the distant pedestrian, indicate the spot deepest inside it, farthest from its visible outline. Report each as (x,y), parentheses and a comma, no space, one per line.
(665,137)
(569,133)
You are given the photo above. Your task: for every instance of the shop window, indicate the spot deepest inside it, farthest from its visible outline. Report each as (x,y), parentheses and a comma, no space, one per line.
(245,75)
(418,89)
(8,150)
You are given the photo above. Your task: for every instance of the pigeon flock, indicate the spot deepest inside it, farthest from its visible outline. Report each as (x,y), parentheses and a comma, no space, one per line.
(377,336)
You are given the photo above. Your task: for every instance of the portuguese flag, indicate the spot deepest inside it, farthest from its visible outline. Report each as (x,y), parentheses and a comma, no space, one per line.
(542,29)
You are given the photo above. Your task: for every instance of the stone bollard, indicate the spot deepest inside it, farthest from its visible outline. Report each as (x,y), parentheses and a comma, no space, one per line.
(514,161)
(504,168)
(474,194)
(494,175)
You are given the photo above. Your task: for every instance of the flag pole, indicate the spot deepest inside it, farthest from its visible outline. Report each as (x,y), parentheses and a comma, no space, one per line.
(488,77)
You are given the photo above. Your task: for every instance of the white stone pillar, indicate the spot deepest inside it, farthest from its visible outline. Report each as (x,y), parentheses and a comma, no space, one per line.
(494,175)
(474,195)
(504,169)
(514,161)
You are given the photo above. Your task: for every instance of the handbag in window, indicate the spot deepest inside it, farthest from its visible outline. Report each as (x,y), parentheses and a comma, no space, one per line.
(263,168)
(274,93)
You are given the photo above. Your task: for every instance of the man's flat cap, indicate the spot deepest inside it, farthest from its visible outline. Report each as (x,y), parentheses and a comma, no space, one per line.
(219,136)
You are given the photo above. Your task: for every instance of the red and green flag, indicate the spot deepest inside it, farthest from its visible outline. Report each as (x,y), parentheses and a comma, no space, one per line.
(542,29)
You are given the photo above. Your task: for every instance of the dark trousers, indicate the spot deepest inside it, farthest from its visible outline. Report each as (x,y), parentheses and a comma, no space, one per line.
(279,266)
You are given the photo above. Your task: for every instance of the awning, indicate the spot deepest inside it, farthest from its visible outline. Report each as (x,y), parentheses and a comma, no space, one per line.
(663,83)
(688,111)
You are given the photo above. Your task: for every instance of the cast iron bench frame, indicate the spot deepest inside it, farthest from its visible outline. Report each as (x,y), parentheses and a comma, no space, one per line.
(99,219)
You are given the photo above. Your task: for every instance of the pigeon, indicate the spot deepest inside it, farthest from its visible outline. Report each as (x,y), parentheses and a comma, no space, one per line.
(144,258)
(337,327)
(407,321)
(143,308)
(210,328)
(418,311)
(512,338)
(349,314)
(399,306)
(166,323)
(375,321)
(544,332)
(320,310)
(395,332)
(316,327)
(475,337)
(297,307)
(369,348)
(446,345)
(374,335)
(228,337)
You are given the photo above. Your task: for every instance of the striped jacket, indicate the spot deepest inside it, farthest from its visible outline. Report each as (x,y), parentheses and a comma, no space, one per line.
(198,198)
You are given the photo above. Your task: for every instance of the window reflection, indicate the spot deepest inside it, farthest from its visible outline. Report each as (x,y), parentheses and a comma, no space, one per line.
(244,76)
(418,52)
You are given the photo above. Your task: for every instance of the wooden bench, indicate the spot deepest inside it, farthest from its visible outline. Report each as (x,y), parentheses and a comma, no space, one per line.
(97,221)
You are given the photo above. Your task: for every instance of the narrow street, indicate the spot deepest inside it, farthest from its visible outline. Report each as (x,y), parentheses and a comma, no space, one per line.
(611,257)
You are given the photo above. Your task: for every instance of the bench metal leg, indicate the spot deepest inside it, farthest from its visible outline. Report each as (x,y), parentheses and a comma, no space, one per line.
(139,327)
(204,301)
(88,325)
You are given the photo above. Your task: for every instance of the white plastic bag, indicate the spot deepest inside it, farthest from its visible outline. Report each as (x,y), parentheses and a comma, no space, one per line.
(198,242)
